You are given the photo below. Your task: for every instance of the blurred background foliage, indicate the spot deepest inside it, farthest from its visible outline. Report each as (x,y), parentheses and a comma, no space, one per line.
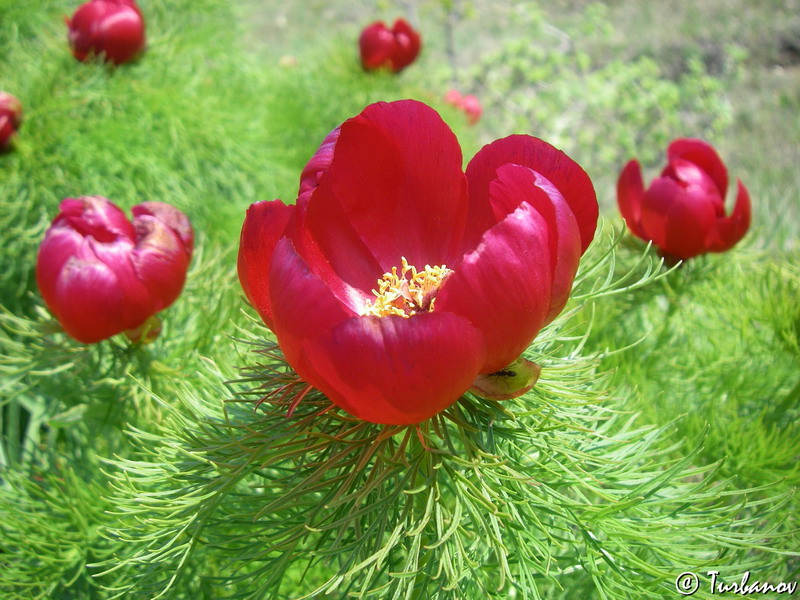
(108,449)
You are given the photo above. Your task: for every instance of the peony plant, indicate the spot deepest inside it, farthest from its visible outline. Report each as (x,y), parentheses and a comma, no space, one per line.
(384,48)
(683,210)
(101,274)
(113,29)
(397,280)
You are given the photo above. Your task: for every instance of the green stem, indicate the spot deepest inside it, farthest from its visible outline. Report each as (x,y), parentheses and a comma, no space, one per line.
(420,502)
(779,410)
(3,455)
(12,433)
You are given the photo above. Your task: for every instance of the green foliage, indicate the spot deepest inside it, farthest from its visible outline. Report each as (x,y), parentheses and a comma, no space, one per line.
(63,406)
(602,110)
(556,490)
(48,527)
(735,319)
(169,127)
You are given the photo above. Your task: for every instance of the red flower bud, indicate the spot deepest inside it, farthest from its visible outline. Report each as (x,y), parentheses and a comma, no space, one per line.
(383,48)
(683,210)
(111,28)
(10,119)
(101,274)
(397,281)
(468,104)
(453,97)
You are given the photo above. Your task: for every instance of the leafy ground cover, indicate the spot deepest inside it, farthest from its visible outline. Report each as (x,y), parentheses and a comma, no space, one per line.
(662,437)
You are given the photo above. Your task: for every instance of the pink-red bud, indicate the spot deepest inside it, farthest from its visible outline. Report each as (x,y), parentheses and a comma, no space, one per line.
(10,119)
(113,29)
(468,104)
(101,274)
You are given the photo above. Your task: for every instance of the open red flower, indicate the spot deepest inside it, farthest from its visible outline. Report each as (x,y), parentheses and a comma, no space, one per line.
(101,274)
(397,279)
(10,119)
(113,29)
(384,48)
(683,210)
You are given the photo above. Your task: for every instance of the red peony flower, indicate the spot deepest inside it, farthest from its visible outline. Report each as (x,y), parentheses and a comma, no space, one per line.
(394,48)
(396,280)
(10,119)
(468,104)
(683,210)
(100,274)
(111,28)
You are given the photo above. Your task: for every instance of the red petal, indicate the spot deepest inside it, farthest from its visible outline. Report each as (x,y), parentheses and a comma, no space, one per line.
(376,44)
(335,251)
(688,226)
(159,260)
(731,229)
(7,132)
(94,216)
(170,216)
(138,302)
(570,179)
(89,300)
(406,45)
(517,184)
(704,156)
(326,240)
(263,226)
(302,305)
(565,240)
(83,28)
(59,245)
(396,175)
(121,35)
(655,206)
(503,287)
(696,182)
(11,107)
(674,220)
(316,166)
(393,370)
(630,190)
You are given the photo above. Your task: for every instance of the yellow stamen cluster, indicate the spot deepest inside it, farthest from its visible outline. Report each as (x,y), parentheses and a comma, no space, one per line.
(408,292)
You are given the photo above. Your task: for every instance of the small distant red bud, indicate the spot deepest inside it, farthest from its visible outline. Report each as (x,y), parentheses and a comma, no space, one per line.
(384,48)
(113,29)
(468,104)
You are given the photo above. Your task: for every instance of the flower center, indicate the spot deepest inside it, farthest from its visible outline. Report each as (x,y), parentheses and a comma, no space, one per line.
(408,292)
